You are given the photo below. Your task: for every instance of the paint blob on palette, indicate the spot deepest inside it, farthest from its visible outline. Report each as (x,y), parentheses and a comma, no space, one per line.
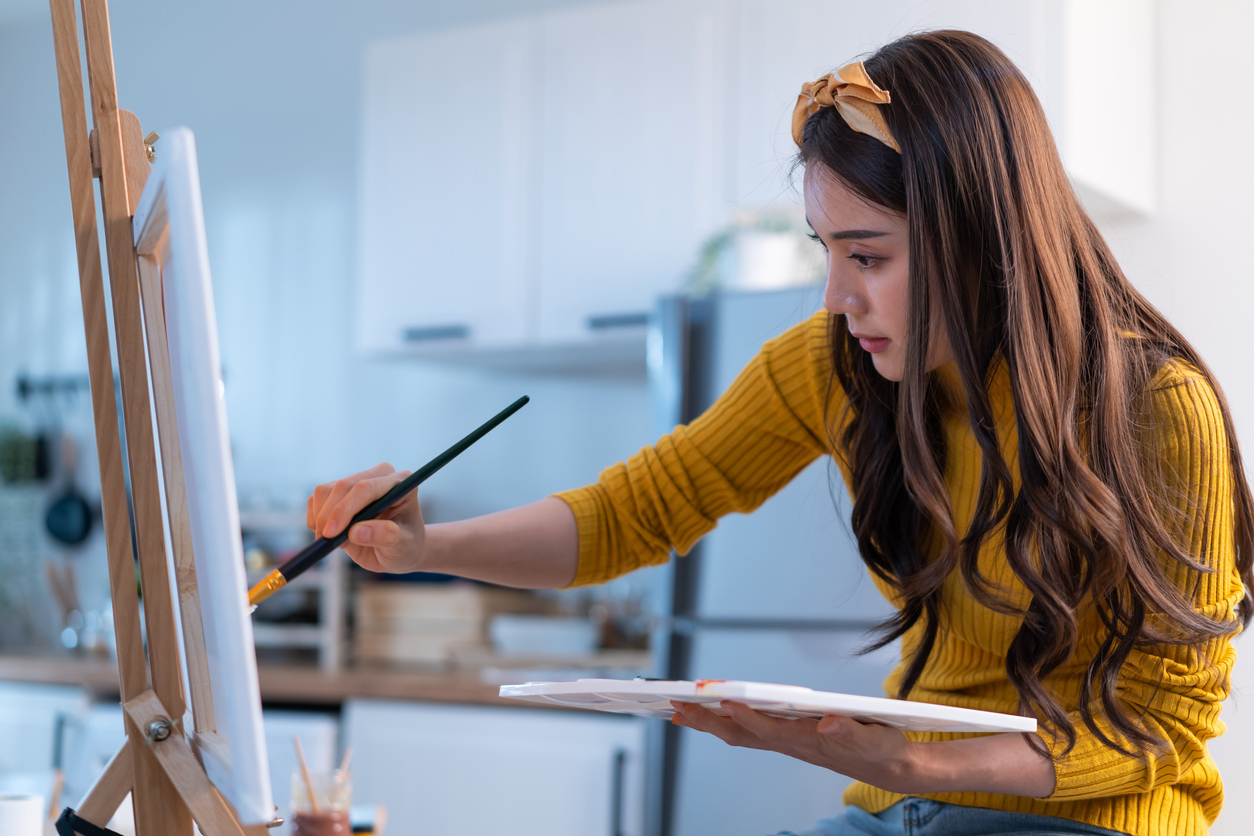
(653,698)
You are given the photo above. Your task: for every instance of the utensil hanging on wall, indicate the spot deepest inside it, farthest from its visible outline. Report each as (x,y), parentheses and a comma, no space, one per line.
(70,516)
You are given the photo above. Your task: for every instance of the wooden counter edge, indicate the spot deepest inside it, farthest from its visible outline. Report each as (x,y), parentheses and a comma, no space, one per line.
(96,675)
(281,683)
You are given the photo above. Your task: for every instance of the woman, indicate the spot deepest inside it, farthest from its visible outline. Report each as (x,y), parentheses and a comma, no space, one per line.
(1045,476)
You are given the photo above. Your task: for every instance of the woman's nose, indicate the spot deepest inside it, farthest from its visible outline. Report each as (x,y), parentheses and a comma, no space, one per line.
(842,296)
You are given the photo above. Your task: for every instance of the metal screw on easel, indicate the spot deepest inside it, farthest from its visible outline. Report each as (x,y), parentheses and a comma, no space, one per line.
(277,821)
(150,141)
(159,728)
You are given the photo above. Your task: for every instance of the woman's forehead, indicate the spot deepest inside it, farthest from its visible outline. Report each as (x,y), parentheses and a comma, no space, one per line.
(832,204)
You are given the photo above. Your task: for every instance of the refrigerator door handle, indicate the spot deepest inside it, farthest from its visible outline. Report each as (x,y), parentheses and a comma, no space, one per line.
(618,770)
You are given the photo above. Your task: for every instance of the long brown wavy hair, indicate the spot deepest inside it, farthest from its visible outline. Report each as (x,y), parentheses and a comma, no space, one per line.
(1003,255)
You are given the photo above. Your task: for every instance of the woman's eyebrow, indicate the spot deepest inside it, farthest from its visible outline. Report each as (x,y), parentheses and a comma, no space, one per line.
(850,234)
(853,234)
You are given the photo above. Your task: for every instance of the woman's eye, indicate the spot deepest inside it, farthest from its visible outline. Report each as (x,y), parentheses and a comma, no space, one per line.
(863,261)
(816,239)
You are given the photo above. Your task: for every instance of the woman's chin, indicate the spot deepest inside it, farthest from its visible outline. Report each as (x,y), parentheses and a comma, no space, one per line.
(887,368)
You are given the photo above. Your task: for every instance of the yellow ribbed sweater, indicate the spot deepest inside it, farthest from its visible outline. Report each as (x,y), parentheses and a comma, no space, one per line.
(768,426)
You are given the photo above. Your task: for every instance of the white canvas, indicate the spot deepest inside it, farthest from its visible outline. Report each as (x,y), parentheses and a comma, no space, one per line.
(652,698)
(234,755)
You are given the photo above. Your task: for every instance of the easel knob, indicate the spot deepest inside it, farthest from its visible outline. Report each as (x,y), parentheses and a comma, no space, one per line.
(150,141)
(158,729)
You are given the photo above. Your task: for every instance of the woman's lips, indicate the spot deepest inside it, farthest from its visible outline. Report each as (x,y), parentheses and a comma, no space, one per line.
(873,344)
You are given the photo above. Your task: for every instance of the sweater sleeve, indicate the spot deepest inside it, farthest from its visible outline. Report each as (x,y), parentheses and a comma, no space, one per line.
(754,439)
(1177,690)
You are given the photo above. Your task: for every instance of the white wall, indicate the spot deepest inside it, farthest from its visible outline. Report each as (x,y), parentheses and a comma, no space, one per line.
(1192,260)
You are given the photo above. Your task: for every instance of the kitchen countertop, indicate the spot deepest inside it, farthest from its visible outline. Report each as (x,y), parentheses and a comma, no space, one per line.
(280,683)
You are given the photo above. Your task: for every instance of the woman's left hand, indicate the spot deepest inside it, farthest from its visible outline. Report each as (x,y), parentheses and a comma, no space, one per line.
(878,755)
(884,757)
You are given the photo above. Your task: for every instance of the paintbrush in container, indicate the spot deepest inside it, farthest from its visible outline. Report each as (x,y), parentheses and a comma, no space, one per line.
(304,771)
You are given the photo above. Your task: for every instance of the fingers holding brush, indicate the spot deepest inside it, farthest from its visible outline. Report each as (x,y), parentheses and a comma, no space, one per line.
(386,546)
(393,538)
(329,496)
(392,542)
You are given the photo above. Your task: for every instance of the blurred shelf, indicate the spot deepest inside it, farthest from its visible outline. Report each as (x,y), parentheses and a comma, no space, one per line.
(288,635)
(329,580)
(625,660)
(619,357)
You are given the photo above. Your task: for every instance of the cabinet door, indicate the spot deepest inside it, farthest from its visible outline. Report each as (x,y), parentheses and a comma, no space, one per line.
(452,770)
(90,742)
(447,152)
(632,159)
(29,719)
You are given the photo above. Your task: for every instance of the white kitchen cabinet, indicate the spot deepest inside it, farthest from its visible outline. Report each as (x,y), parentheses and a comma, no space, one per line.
(92,738)
(632,146)
(445,770)
(446,202)
(31,717)
(537,183)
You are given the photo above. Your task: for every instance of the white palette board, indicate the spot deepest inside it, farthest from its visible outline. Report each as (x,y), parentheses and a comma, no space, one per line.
(653,698)
(169,223)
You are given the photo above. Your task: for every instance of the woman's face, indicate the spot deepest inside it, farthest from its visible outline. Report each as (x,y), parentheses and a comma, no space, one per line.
(867,271)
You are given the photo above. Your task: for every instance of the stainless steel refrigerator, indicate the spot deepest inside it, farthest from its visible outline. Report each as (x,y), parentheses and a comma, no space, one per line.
(779,595)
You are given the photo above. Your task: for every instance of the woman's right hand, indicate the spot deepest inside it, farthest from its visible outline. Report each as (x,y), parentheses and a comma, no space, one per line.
(394,542)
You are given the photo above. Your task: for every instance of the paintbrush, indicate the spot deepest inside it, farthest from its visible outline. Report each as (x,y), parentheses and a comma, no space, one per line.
(304,770)
(341,774)
(323,546)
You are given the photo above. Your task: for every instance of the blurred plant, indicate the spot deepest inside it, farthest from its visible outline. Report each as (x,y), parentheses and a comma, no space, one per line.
(19,456)
(715,258)
(705,277)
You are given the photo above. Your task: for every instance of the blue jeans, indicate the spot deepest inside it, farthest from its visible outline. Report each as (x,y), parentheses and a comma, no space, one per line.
(924,817)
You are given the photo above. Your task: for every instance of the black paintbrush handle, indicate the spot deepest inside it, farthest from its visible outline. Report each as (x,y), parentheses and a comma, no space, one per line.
(323,546)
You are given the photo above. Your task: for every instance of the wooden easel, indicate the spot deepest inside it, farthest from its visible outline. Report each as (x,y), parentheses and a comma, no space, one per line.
(168,785)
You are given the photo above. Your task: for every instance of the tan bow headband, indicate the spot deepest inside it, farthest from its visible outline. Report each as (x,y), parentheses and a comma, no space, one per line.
(851,91)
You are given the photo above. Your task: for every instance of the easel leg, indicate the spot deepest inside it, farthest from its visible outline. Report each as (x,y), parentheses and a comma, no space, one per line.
(102,801)
(208,807)
(110,789)
(159,811)
(154,818)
